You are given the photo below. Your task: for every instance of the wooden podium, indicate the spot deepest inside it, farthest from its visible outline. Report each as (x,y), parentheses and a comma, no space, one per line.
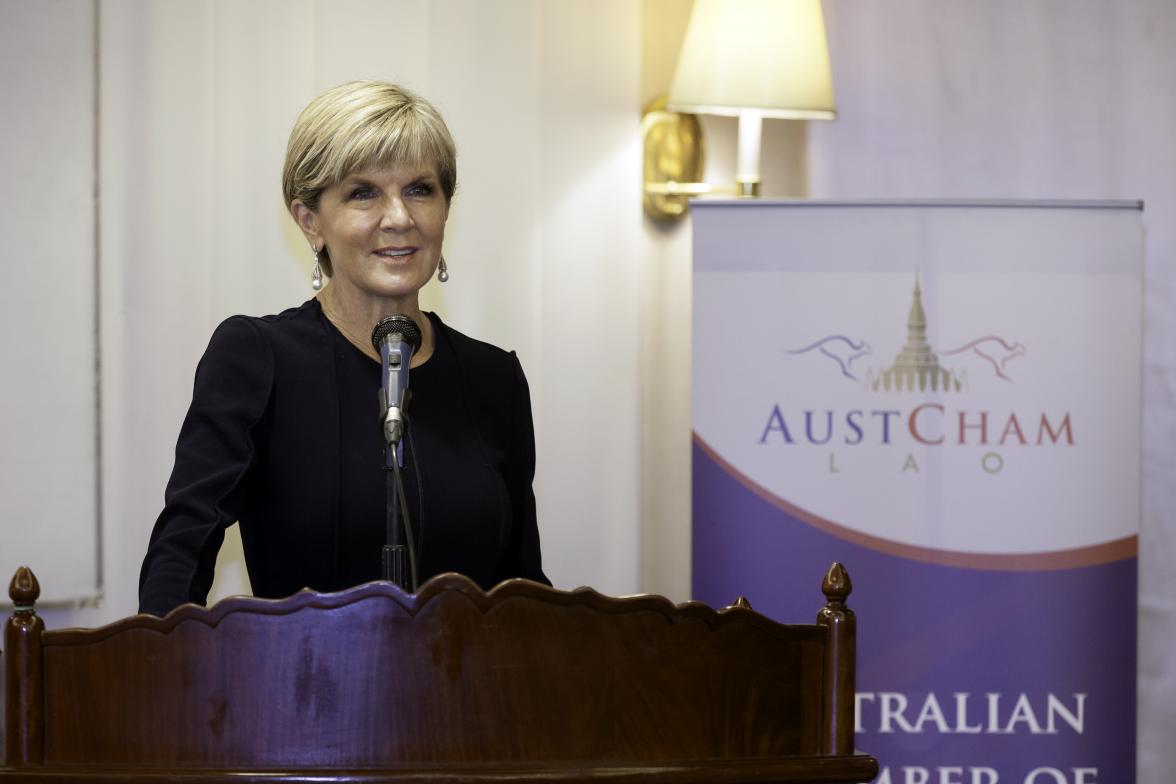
(451,685)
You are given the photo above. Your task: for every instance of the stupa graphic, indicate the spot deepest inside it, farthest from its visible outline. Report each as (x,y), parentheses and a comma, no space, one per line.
(916,368)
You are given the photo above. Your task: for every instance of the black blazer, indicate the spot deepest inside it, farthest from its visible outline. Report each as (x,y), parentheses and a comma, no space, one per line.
(262,444)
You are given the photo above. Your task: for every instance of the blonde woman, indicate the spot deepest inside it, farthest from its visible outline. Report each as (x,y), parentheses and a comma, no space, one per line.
(283,433)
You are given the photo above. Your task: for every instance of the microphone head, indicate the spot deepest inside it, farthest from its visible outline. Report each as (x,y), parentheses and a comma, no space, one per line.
(400,324)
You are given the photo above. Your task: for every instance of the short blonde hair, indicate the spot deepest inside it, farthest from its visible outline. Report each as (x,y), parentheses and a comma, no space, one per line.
(358,124)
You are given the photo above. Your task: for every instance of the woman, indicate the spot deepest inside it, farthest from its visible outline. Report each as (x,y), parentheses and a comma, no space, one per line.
(283,433)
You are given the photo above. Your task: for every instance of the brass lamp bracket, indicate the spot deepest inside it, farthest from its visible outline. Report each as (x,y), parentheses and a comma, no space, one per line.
(674,159)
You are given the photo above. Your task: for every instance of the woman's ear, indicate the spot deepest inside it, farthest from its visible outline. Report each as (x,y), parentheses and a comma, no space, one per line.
(307,220)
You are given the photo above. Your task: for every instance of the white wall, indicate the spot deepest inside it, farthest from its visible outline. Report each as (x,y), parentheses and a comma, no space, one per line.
(48,428)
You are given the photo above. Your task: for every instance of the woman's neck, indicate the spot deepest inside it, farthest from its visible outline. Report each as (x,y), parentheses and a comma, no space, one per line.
(356,316)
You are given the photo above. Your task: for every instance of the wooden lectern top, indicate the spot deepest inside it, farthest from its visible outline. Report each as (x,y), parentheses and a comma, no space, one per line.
(449,686)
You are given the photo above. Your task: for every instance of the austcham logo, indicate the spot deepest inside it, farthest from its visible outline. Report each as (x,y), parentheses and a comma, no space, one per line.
(935,381)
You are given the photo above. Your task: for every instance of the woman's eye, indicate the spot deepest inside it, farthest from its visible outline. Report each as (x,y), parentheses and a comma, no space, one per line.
(420,189)
(362,192)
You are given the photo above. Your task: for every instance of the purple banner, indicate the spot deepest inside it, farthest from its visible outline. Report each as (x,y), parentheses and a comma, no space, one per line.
(965,676)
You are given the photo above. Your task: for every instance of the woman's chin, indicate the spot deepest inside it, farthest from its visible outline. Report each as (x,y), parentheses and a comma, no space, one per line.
(398,289)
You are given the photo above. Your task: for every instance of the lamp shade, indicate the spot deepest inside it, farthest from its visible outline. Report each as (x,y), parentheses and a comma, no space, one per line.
(765,55)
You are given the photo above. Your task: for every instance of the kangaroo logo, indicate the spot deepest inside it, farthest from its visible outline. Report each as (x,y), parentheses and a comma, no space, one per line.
(916,368)
(840,349)
(997,351)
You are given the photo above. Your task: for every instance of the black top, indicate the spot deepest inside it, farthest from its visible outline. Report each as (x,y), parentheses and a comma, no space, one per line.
(284,436)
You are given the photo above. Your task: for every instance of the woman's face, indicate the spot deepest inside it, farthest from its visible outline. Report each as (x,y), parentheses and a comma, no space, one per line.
(383,228)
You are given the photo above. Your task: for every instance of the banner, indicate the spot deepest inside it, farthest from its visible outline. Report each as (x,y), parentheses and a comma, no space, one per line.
(945,397)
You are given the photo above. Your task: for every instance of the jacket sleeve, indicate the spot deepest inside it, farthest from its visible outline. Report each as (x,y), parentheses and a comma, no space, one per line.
(214,452)
(522,557)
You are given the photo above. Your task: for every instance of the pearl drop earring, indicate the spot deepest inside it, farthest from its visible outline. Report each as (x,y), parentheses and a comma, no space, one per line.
(316,272)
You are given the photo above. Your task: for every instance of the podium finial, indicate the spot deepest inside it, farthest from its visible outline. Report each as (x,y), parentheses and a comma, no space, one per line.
(836,586)
(24,590)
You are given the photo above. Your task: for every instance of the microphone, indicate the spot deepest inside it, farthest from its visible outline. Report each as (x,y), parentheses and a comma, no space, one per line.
(396,338)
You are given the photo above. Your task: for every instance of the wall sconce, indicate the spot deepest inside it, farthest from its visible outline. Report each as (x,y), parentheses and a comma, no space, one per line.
(674,160)
(746,58)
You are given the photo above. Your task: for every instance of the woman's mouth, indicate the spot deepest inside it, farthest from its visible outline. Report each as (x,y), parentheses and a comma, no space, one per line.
(394,253)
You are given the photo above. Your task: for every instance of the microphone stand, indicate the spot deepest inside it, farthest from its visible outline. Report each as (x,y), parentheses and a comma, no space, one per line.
(398,557)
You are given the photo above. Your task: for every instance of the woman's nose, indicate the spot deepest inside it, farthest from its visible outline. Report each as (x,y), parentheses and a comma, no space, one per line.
(396,215)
